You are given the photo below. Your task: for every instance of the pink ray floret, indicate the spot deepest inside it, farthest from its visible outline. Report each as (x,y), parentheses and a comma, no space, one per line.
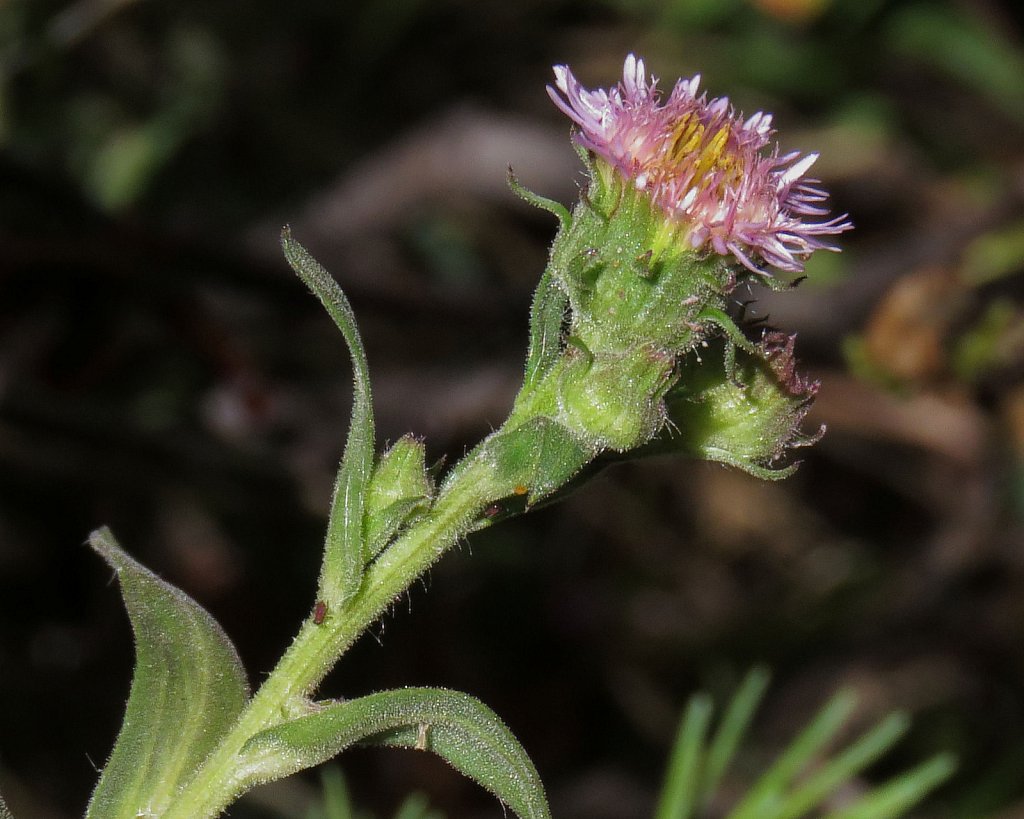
(718,176)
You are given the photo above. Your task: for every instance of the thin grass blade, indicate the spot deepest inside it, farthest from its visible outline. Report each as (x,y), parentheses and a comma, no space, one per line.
(844,767)
(682,781)
(416,806)
(764,799)
(337,802)
(905,791)
(732,729)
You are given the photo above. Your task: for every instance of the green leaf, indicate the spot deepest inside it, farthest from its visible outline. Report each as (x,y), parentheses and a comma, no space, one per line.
(344,561)
(453,725)
(188,689)
(542,202)
(4,812)
(386,523)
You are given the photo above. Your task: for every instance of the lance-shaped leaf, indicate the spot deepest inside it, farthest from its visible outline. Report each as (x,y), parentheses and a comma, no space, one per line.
(343,554)
(187,691)
(457,727)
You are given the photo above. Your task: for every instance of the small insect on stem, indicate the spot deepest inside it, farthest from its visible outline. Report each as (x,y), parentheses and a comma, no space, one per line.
(319,613)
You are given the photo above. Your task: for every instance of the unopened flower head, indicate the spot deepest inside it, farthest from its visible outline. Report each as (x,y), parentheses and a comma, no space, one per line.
(719,178)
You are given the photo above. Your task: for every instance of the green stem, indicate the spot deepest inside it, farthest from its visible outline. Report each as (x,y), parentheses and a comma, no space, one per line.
(316,648)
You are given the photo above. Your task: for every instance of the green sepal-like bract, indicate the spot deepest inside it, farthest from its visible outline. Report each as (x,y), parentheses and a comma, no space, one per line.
(344,554)
(453,725)
(550,205)
(399,491)
(629,282)
(612,398)
(550,302)
(535,458)
(187,691)
(547,317)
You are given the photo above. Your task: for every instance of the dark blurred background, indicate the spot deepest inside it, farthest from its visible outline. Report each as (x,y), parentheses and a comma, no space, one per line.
(162,372)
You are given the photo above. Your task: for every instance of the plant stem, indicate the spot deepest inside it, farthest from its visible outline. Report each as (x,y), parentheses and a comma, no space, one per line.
(316,648)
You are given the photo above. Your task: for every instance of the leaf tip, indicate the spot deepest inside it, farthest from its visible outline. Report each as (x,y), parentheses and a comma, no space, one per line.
(103,542)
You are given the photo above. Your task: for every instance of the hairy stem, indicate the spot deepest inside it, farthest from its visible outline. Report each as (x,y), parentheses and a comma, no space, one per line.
(317,647)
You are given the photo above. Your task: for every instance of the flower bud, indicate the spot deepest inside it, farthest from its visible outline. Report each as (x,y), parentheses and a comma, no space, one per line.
(399,491)
(749,418)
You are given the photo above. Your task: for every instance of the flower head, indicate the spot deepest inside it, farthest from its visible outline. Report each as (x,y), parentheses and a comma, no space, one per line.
(717,177)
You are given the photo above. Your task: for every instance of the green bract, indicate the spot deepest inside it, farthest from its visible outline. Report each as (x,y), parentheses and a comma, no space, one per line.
(628,282)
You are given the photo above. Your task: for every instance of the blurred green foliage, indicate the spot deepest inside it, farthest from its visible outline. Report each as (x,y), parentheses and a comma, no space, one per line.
(337,803)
